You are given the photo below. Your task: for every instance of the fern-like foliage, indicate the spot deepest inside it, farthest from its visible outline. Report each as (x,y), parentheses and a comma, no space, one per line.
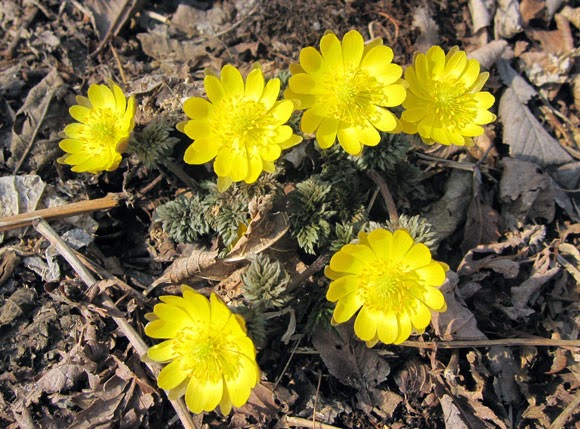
(310,214)
(265,282)
(184,219)
(153,144)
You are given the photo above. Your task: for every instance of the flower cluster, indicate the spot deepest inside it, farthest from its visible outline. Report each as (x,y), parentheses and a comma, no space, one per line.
(210,358)
(348,91)
(105,121)
(392,281)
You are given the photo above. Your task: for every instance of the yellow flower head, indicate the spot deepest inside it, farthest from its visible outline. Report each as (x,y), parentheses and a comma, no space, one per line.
(210,358)
(241,126)
(105,121)
(444,103)
(391,279)
(344,90)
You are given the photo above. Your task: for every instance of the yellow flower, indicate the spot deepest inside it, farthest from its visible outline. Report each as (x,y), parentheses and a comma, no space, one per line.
(105,121)
(444,103)
(211,359)
(241,126)
(344,90)
(391,279)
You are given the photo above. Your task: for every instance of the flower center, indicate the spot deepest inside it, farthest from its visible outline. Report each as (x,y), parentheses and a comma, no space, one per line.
(386,287)
(103,128)
(350,96)
(452,104)
(206,353)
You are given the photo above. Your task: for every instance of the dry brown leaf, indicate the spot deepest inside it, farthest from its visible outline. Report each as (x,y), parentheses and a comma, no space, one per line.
(481,13)
(17,305)
(428,29)
(526,137)
(109,16)
(489,54)
(449,212)
(532,9)
(525,192)
(481,226)
(507,20)
(350,360)
(572,15)
(30,120)
(458,322)
(503,366)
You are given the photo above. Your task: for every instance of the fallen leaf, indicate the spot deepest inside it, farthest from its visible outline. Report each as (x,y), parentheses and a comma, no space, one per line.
(525,192)
(481,226)
(481,12)
(449,212)
(19,194)
(17,304)
(489,54)
(532,9)
(109,16)
(457,322)
(428,29)
(29,121)
(503,366)
(507,19)
(350,360)
(527,138)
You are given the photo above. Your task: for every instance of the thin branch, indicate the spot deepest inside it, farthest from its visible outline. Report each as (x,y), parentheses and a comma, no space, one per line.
(386,194)
(73,209)
(508,342)
(303,423)
(124,326)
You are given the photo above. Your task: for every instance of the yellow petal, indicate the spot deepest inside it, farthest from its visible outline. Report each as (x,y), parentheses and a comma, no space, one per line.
(80,113)
(223,162)
(171,376)
(200,152)
(162,329)
(345,263)
(346,307)
(220,313)
(352,49)
(361,252)
(282,111)
(223,183)
(456,66)
(197,108)
(302,84)
(270,94)
(71,145)
(349,140)
(418,256)
(240,387)
(433,298)
(341,287)
(310,122)
(331,51)
(163,352)
(232,81)
(394,95)
(172,314)
(120,100)
(310,60)
(376,61)
(326,133)
(434,63)
(381,241)
(470,74)
(383,119)
(369,136)
(365,325)
(213,88)
(198,305)
(484,100)
(405,328)
(76,130)
(100,96)
(239,165)
(203,395)
(255,167)
(432,274)
(197,129)
(387,327)
(402,242)
(421,316)
(255,85)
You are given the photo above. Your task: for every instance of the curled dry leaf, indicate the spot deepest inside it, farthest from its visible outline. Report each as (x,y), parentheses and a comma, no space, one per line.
(489,54)
(429,31)
(458,322)
(481,13)
(525,192)
(527,138)
(507,20)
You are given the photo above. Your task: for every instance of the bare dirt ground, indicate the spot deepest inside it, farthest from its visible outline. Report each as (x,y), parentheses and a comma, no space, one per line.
(505,215)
